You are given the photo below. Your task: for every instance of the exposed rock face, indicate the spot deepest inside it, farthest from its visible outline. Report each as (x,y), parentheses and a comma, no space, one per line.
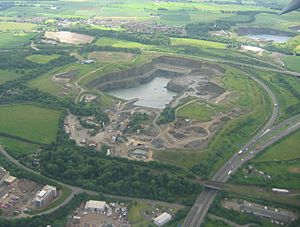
(210,89)
(175,87)
(257,31)
(170,67)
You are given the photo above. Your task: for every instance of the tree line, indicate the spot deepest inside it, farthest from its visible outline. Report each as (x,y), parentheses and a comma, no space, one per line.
(150,39)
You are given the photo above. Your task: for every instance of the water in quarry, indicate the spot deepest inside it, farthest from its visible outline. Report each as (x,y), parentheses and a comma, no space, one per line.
(266,37)
(153,94)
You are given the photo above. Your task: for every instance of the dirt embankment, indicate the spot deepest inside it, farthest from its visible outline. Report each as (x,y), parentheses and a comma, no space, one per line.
(257,31)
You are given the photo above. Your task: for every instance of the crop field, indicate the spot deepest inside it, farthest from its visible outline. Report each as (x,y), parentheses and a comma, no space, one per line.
(16,26)
(13,40)
(197,43)
(69,37)
(111,57)
(42,59)
(121,43)
(198,111)
(292,63)
(248,96)
(29,122)
(6,75)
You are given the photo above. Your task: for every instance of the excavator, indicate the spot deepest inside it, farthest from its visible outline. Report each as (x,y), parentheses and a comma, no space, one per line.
(294,5)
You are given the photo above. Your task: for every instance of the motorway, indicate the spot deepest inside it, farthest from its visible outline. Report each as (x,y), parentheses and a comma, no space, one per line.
(200,208)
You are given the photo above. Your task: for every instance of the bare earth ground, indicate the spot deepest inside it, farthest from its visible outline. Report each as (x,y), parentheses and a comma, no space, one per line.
(69,37)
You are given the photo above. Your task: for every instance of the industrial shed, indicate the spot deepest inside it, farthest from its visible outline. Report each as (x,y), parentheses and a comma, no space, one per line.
(162,219)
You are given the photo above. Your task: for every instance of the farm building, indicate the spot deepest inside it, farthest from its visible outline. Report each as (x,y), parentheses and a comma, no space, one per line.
(44,196)
(162,219)
(94,205)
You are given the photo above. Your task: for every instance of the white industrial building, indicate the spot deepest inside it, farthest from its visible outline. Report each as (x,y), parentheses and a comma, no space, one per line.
(94,205)
(162,219)
(44,196)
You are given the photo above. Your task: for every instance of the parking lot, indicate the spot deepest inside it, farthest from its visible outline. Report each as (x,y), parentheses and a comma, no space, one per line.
(15,198)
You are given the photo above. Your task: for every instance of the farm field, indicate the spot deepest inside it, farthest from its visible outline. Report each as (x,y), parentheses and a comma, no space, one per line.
(6,75)
(121,43)
(16,26)
(29,122)
(42,59)
(69,37)
(197,43)
(13,40)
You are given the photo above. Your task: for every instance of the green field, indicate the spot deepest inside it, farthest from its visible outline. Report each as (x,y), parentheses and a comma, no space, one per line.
(17,148)
(29,122)
(286,89)
(45,82)
(9,26)
(41,58)
(292,63)
(286,149)
(8,75)
(197,43)
(198,111)
(121,43)
(280,162)
(13,40)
